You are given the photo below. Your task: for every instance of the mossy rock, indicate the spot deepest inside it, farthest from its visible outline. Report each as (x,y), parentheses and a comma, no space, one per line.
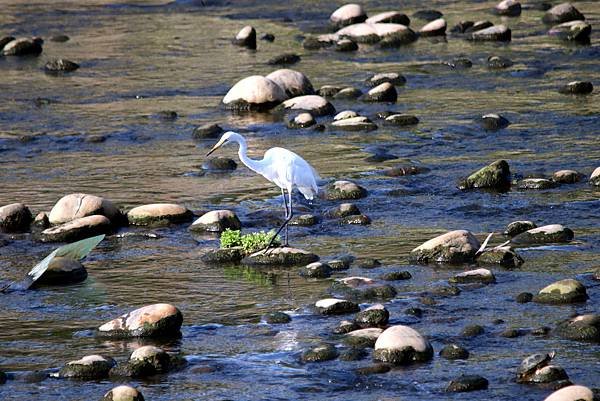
(454,351)
(504,257)
(518,227)
(133,369)
(372,292)
(91,367)
(494,176)
(554,233)
(472,330)
(397,276)
(305,220)
(344,190)
(353,354)
(223,256)
(458,246)
(372,317)
(277,318)
(284,256)
(321,353)
(402,356)
(359,219)
(580,328)
(316,270)
(466,383)
(536,183)
(562,292)
(334,306)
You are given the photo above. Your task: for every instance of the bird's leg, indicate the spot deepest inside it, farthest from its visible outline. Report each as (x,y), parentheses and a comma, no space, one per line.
(290,217)
(285,223)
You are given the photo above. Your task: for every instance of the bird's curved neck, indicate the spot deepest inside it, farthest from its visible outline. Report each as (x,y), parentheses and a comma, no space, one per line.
(254,165)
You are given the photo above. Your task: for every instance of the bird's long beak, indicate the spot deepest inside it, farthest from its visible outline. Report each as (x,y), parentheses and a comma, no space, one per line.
(217,146)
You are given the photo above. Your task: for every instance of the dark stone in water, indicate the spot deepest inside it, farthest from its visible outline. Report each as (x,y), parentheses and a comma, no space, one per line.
(219,164)
(540,331)
(346,45)
(524,297)
(348,93)
(504,257)
(577,88)
(393,78)
(396,276)
(400,171)
(246,38)
(416,312)
(304,220)
(454,351)
(329,90)
(580,328)
(284,59)
(60,66)
(498,62)
(372,317)
(346,326)
(325,352)
(313,43)
(373,369)
(62,271)
(367,263)
(494,176)
(23,47)
(284,256)
(91,367)
(563,12)
(210,130)
(461,27)
(401,120)
(467,383)
(353,354)
(60,38)
(472,330)
(478,26)
(497,33)
(15,217)
(277,318)
(427,15)
(343,210)
(2,377)
(316,270)
(223,256)
(518,227)
(493,122)
(380,157)
(268,37)
(168,115)
(460,63)
(398,39)
(512,333)
(4,40)
(359,219)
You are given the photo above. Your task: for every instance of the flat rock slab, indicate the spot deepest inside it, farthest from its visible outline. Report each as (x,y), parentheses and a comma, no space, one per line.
(553,233)
(223,256)
(77,229)
(158,214)
(284,256)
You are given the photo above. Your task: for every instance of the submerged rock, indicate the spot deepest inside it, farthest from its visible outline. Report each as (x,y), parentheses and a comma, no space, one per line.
(346,45)
(91,367)
(294,83)
(466,383)
(428,15)
(63,271)
(483,276)
(577,88)
(219,164)
(359,123)
(347,14)
(562,292)
(74,206)
(580,328)
(158,214)
(60,66)
(396,276)
(335,306)
(536,183)
(285,58)
(509,8)
(304,220)
(246,37)
(77,229)
(344,190)
(155,320)
(499,62)
(457,246)
(401,120)
(497,33)
(385,92)
(578,31)
(493,122)
(524,297)
(494,176)
(402,170)
(321,353)
(254,93)
(319,42)
(400,37)
(302,120)
(15,217)
(363,338)
(401,345)
(123,393)
(572,393)
(553,233)
(283,256)
(316,270)
(454,351)
(560,13)
(472,330)
(277,318)
(316,105)
(207,131)
(436,27)
(216,221)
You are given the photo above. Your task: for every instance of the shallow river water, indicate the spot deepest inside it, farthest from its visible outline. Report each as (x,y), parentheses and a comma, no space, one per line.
(140,58)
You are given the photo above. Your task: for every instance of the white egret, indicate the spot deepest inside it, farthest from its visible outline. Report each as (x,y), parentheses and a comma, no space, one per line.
(282,167)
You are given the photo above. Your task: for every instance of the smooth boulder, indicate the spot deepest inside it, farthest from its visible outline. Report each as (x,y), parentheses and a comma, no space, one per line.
(457,246)
(123,393)
(216,221)
(385,92)
(577,31)
(344,190)
(63,271)
(392,17)
(562,292)
(595,177)
(335,306)
(483,276)
(580,328)
(566,176)
(493,176)
(314,104)
(91,367)
(517,227)
(466,383)
(246,37)
(155,320)
(572,393)
(496,33)
(359,123)
(509,8)
(577,88)
(402,345)
(294,83)
(254,93)
(78,229)
(15,217)
(493,122)
(436,27)
(74,206)
(282,256)
(560,13)
(208,131)
(553,233)
(347,14)
(302,120)
(158,214)
(23,47)
(392,77)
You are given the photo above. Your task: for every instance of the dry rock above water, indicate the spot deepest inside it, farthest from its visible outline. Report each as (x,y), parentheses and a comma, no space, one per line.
(282,256)
(457,246)
(91,367)
(335,306)
(562,292)
(123,393)
(314,104)
(217,221)
(157,214)
(157,320)
(572,393)
(563,12)
(402,345)
(496,33)
(344,190)
(74,206)
(15,217)
(495,176)
(347,14)
(434,28)
(246,37)
(78,229)
(509,8)
(23,47)
(254,93)
(553,233)
(294,83)
(577,31)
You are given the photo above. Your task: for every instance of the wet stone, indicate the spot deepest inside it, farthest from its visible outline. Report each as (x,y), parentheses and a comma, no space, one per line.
(246,37)
(503,256)
(402,170)
(321,353)
(316,105)
(396,276)
(427,15)
(416,312)
(495,176)
(41,221)
(401,120)
(560,13)
(316,43)
(62,271)
(362,338)
(60,66)
(385,92)
(334,306)
(344,190)
(518,227)
(391,77)
(401,345)
(91,367)
(572,393)
(15,217)
(446,291)
(347,15)
(267,37)
(461,27)
(399,38)
(283,59)
(219,164)
(302,120)
(294,83)
(23,47)
(580,328)
(329,91)
(378,368)
(566,176)
(562,292)
(472,330)
(343,210)
(493,122)
(367,263)
(380,157)
(512,333)
(216,221)
(223,256)
(283,256)
(524,297)
(346,45)
(483,276)
(77,229)
(466,383)
(77,205)
(2,377)
(540,331)
(60,38)
(509,8)
(536,183)
(364,289)
(497,33)
(123,393)
(595,177)
(390,17)
(158,214)
(577,88)
(345,326)
(454,351)
(340,264)
(499,62)
(254,93)
(550,374)
(374,316)
(316,270)
(348,93)
(353,354)
(277,318)
(553,233)
(436,27)
(478,26)
(457,246)
(304,220)
(359,123)
(157,320)
(576,31)
(207,131)
(359,219)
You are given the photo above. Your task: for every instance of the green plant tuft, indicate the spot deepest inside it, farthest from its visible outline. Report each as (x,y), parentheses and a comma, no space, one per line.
(251,242)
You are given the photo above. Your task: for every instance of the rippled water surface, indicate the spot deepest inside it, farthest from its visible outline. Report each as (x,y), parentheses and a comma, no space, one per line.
(140,58)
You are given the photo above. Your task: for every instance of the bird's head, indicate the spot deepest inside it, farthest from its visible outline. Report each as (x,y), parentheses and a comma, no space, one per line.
(224,139)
